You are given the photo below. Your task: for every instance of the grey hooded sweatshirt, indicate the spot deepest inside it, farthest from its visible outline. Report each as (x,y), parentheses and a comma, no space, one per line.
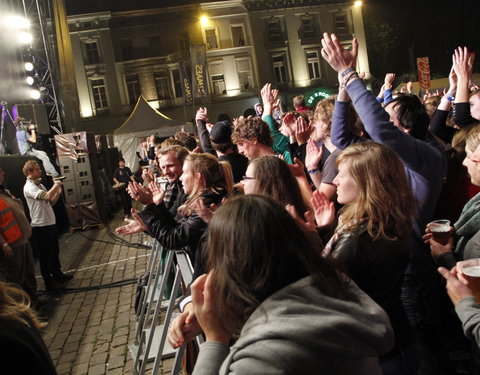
(299,330)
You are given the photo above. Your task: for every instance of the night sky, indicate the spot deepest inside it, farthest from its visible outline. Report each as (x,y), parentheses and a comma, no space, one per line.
(397,30)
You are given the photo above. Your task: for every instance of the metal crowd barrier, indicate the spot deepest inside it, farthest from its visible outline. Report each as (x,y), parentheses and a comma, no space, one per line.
(150,342)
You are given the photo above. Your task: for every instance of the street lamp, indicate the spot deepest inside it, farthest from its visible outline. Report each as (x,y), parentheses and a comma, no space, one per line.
(204,21)
(358,3)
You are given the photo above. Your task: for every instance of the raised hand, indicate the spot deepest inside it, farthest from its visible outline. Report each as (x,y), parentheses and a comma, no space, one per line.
(201,114)
(336,55)
(452,82)
(268,98)
(134,225)
(206,312)
(462,63)
(323,209)
(205,213)
(389,78)
(158,194)
(140,193)
(303,130)
(313,155)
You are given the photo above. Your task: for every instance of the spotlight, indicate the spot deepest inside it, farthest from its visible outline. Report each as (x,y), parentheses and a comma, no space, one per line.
(29,66)
(16,22)
(25,38)
(30,80)
(35,94)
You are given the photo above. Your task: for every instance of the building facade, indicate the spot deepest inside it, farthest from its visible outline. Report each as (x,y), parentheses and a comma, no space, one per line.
(119,56)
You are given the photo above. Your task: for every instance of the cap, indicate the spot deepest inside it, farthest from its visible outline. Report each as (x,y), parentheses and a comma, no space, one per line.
(221,132)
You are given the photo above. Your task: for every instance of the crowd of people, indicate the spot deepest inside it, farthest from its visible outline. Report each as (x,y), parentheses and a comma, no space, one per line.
(308,230)
(312,250)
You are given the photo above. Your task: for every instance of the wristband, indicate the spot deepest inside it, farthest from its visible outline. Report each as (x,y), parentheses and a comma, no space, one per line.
(313,171)
(346,80)
(450,98)
(346,71)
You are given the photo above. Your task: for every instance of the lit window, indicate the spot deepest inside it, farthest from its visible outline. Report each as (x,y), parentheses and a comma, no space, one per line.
(92,55)
(211,38)
(99,92)
(133,88)
(313,63)
(218,84)
(244,73)
(238,35)
(279,68)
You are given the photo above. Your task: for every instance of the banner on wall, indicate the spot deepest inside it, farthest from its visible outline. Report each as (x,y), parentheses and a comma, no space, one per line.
(423,66)
(199,70)
(186,85)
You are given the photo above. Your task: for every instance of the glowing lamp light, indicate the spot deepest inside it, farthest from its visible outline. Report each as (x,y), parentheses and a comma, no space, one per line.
(16,22)
(204,20)
(25,38)
(30,80)
(358,3)
(28,66)
(35,94)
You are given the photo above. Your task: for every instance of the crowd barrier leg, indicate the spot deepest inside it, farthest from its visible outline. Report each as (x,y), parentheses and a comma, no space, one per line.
(142,354)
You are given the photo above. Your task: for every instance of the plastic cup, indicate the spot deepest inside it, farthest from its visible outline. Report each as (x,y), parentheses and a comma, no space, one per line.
(470,269)
(440,230)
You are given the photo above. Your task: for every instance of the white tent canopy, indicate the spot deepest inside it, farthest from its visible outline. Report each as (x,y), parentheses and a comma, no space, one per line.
(143,122)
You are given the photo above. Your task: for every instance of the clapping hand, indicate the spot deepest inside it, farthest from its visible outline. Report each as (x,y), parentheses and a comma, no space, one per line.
(336,55)
(134,225)
(140,193)
(323,209)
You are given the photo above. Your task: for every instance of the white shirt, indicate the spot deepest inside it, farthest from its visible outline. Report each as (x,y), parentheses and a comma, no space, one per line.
(41,211)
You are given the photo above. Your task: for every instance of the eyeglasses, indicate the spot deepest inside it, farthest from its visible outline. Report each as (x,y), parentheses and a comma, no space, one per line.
(246,178)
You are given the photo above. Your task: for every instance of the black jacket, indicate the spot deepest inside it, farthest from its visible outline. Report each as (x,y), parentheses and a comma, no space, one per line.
(178,232)
(378,268)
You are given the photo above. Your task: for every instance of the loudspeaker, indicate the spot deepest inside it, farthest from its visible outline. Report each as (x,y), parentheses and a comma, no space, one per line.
(36,113)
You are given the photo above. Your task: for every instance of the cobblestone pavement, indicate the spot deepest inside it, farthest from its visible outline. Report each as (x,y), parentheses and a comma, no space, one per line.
(88,331)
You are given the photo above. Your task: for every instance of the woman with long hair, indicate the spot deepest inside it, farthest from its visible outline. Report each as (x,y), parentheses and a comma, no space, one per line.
(271,176)
(372,240)
(22,348)
(292,311)
(203,177)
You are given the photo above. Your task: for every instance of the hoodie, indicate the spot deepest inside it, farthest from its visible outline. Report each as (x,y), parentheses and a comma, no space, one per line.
(299,330)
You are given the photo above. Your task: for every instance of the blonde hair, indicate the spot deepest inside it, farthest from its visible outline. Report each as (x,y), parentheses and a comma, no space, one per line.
(472,140)
(385,199)
(29,167)
(216,175)
(15,305)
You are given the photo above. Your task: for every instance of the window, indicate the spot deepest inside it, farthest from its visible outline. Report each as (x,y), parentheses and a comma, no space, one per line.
(313,64)
(92,56)
(238,35)
(133,88)
(184,41)
(279,70)
(274,30)
(211,38)
(341,23)
(126,48)
(177,83)
(218,84)
(244,73)
(161,83)
(99,92)
(307,29)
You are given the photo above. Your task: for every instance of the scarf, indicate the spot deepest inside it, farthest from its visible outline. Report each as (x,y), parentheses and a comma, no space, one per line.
(468,224)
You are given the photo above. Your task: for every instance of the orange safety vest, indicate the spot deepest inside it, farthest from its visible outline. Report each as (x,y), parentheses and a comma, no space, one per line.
(8,226)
